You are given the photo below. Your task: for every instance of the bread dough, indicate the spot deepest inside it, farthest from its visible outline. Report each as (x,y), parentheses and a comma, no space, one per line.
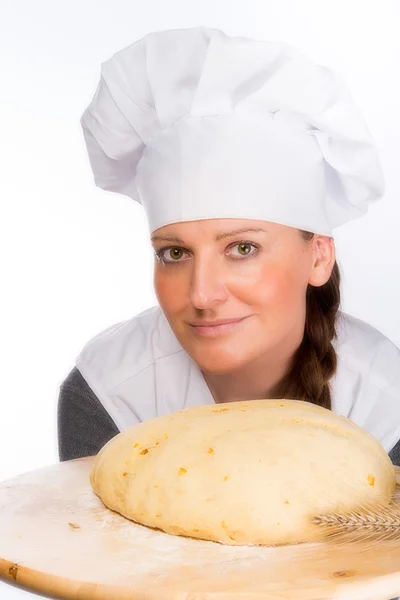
(252,472)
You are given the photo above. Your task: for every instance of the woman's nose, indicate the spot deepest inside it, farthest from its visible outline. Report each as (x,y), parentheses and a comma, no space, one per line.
(207,285)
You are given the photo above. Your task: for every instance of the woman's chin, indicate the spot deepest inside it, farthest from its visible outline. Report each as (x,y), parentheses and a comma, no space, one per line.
(217,356)
(216,362)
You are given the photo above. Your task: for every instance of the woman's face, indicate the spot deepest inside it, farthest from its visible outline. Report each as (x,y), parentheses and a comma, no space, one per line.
(206,272)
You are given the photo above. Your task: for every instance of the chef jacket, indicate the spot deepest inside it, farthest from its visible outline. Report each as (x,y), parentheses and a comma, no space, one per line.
(138,370)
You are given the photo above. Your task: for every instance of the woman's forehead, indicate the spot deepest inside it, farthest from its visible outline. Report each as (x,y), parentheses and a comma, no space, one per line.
(217,229)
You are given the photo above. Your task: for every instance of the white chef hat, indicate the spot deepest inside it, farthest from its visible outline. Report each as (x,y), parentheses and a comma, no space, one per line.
(195,124)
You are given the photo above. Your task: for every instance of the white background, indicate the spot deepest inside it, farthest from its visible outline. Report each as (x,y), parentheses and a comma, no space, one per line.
(76,259)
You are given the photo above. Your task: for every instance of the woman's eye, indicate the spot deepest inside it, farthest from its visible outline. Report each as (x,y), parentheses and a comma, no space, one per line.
(175,254)
(244,247)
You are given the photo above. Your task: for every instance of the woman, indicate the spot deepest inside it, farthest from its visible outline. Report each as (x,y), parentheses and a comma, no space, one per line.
(245,156)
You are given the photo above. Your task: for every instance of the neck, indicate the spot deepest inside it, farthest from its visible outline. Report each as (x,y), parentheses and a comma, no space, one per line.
(262,378)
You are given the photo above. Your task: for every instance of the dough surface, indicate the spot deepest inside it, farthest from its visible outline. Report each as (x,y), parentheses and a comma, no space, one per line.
(252,472)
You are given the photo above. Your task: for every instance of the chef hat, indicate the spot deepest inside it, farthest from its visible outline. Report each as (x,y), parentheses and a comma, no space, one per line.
(195,124)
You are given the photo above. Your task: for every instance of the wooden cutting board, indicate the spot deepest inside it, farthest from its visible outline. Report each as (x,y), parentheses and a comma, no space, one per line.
(57,538)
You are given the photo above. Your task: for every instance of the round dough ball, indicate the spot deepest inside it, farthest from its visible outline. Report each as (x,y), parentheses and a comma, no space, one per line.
(252,472)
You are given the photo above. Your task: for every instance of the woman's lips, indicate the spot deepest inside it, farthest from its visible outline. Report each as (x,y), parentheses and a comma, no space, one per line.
(217,330)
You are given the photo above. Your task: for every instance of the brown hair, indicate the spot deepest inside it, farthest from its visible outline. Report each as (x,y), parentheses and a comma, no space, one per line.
(315,361)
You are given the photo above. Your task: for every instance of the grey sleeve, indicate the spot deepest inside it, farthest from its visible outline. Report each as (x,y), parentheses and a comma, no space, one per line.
(83,424)
(394,454)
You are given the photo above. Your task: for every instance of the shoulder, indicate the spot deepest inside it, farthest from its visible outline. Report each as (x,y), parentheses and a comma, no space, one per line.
(363,348)
(366,386)
(137,368)
(355,334)
(134,344)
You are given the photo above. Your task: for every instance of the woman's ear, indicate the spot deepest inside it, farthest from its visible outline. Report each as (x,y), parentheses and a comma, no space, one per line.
(324,257)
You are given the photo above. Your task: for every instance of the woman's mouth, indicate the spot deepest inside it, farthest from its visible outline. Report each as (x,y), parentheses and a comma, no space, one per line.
(216,330)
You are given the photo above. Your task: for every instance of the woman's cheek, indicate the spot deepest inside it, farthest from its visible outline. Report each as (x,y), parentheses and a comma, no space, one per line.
(280,304)
(274,287)
(166,289)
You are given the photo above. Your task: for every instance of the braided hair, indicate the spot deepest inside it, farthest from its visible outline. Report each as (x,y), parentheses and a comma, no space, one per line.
(315,361)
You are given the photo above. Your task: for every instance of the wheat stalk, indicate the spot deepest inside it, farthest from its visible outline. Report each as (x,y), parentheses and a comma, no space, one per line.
(383,522)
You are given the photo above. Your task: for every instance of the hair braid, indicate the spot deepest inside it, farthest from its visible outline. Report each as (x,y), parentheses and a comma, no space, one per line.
(315,361)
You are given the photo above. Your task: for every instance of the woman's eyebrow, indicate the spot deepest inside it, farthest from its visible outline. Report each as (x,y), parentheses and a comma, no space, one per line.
(217,238)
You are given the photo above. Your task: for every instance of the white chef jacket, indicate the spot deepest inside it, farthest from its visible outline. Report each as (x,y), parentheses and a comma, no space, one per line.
(139,370)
